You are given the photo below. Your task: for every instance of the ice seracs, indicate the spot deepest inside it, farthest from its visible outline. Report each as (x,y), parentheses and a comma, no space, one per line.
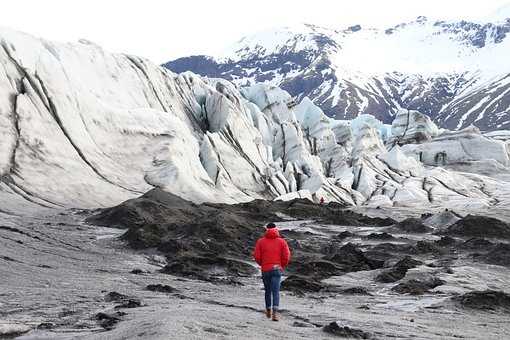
(411,126)
(453,147)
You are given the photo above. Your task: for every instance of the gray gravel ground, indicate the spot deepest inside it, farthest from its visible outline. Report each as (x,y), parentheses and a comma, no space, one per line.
(56,269)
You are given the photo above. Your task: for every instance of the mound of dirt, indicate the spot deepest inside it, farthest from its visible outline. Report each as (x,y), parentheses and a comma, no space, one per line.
(477,243)
(315,268)
(412,226)
(352,259)
(418,287)
(398,271)
(109,320)
(208,266)
(301,284)
(212,241)
(427,247)
(350,218)
(479,226)
(499,255)
(484,300)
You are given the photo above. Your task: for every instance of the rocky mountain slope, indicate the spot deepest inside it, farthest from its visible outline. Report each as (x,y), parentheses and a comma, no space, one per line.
(81,127)
(455,72)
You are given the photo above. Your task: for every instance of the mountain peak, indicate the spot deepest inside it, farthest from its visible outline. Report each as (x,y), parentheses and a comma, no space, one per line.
(442,68)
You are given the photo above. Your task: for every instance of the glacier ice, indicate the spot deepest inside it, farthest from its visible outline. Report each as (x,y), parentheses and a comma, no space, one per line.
(412,126)
(81,127)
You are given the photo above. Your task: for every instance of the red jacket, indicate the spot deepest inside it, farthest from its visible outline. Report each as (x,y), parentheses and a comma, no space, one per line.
(271,250)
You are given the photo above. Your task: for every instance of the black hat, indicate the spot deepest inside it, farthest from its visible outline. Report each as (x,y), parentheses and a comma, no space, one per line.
(270,225)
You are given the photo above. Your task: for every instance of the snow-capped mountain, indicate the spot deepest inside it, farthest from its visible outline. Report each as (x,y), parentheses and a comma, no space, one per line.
(455,72)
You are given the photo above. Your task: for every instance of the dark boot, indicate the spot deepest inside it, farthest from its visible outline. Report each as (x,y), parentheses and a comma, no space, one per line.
(268,313)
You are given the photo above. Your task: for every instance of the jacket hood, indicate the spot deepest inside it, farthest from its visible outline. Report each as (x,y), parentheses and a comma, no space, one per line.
(272,233)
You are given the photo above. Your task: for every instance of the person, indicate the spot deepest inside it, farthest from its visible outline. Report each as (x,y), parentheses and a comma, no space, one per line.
(321,202)
(273,255)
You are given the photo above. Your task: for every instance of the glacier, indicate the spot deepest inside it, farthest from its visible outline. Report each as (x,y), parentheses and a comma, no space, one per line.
(82,127)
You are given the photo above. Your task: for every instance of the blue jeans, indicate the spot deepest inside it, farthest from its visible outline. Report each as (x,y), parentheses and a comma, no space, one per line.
(272,281)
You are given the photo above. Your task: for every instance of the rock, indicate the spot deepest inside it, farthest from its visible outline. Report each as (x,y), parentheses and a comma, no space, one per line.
(137,271)
(408,262)
(115,297)
(398,271)
(351,259)
(345,331)
(203,267)
(499,255)
(380,236)
(108,321)
(161,288)
(413,225)
(314,268)
(351,218)
(484,300)
(130,303)
(343,235)
(394,248)
(427,247)
(477,243)
(301,284)
(392,275)
(355,291)
(445,241)
(46,325)
(124,300)
(302,324)
(479,226)
(417,287)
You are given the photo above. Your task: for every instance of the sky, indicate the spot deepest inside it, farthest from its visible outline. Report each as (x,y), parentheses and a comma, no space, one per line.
(164,30)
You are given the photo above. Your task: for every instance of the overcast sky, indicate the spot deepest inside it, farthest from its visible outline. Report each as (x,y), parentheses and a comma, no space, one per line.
(165,29)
